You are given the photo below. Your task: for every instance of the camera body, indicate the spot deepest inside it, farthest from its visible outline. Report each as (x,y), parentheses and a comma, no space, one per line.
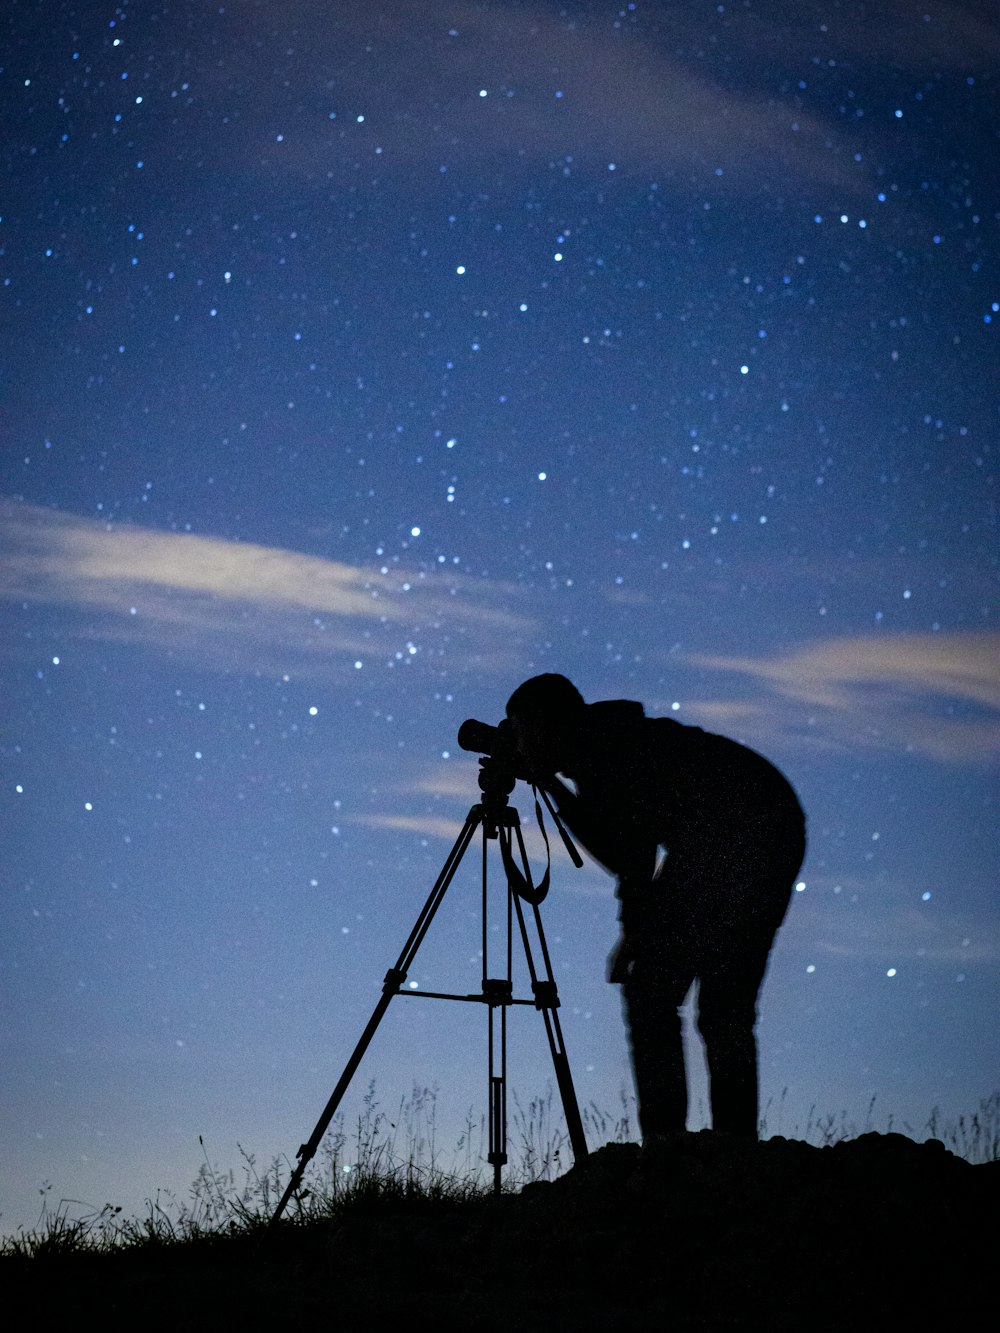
(500,761)
(496,742)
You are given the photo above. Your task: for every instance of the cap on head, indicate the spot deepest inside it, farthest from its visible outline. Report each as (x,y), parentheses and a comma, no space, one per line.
(546,697)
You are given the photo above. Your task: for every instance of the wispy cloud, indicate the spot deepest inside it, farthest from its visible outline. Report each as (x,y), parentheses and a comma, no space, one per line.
(454,781)
(845,917)
(243,606)
(936,694)
(672,90)
(423,826)
(455,786)
(655,95)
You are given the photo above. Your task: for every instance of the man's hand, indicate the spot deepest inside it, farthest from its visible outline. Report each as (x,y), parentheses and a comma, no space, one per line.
(620,960)
(535,777)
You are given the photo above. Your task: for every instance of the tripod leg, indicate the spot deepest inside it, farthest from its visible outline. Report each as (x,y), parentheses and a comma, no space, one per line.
(498,994)
(308,1150)
(564,1080)
(547,1000)
(394,978)
(497,1156)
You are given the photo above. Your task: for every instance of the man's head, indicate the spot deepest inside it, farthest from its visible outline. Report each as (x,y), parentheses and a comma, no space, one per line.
(544,713)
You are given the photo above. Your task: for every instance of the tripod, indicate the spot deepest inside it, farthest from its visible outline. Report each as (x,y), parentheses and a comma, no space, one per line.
(499,822)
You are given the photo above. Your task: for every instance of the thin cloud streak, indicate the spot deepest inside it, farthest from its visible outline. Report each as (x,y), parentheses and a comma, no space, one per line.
(924,693)
(424,826)
(827,673)
(566,878)
(844,916)
(891,937)
(646,103)
(239,605)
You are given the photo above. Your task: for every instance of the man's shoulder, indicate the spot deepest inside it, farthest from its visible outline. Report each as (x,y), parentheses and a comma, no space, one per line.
(685,737)
(719,759)
(626,718)
(614,712)
(611,734)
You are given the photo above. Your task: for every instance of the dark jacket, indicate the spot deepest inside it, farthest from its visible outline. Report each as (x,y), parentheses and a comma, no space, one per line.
(722,811)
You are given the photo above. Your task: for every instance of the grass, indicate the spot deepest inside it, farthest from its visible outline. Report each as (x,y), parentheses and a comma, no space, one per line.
(397,1159)
(974,1137)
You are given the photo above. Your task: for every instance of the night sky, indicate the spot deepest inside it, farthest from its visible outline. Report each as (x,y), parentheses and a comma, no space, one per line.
(363,359)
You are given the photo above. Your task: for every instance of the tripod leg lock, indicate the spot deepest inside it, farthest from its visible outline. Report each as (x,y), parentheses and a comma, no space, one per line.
(394,979)
(497,991)
(546,995)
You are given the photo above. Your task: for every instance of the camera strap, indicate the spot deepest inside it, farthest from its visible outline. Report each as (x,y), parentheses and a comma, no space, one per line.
(523,887)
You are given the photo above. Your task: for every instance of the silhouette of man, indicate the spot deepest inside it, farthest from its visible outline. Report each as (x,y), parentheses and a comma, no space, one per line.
(705,837)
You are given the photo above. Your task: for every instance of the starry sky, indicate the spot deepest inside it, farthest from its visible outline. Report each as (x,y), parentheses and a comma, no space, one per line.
(363,359)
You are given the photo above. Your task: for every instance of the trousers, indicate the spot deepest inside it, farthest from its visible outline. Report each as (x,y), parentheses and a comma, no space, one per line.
(694,928)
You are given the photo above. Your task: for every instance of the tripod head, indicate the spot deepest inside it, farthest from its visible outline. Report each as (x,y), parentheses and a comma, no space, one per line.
(496,781)
(498,760)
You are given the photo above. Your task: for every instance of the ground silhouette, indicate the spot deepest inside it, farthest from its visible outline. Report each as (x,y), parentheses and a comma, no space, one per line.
(701,1231)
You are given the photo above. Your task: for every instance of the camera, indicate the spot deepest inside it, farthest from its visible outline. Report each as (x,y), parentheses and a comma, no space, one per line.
(496,742)
(501,763)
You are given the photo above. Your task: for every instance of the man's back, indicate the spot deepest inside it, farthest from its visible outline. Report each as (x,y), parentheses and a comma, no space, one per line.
(664,782)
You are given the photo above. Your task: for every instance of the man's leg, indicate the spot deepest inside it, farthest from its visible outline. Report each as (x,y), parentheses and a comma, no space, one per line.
(739,916)
(727,1019)
(653,995)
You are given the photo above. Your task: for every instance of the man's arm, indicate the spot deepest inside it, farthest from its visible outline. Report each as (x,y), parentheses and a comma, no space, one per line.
(607,834)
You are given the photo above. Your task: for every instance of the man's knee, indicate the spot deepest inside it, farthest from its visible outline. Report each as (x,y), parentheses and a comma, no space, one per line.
(651,1008)
(726,1019)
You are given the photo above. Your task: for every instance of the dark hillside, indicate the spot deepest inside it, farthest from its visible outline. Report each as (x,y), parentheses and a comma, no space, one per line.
(700,1232)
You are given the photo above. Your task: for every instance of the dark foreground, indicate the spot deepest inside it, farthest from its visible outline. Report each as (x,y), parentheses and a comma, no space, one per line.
(704,1232)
